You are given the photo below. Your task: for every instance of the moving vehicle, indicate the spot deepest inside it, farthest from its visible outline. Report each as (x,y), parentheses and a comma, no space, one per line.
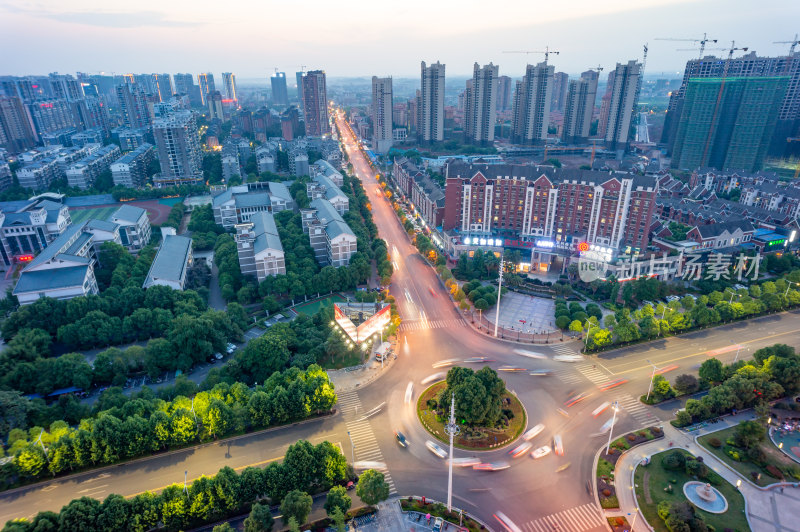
(606,426)
(507,523)
(466,462)
(613,384)
(409,392)
(433,378)
(541,451)
(436,449)
(401,438)
(445,363)
(532,433)
(558,445)
(563,467)
(492,466)
(568,358)
(575,399)
(529,354)
(600,409)
(521,449)
(541,373)
(478,360)
(510,368)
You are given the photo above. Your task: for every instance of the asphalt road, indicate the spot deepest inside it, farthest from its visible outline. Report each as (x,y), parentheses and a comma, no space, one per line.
(531,492)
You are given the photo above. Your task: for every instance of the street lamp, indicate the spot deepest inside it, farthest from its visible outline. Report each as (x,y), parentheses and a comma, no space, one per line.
(499,289)
(652,377)
(185,490)
(615,406)
(451,429)
(790,283)
(353,447)
(737,353)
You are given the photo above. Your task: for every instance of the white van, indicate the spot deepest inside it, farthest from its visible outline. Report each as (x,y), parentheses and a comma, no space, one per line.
(383,351)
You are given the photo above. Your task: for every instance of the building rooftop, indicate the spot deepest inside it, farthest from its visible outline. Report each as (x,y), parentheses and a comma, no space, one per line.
(171,260)
(129,213)
(266,232)
(51,279)
(56,246)
(101,225)
(326,212)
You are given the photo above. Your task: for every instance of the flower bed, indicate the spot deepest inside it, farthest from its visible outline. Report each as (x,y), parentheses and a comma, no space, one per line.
(606,463)
(437,509)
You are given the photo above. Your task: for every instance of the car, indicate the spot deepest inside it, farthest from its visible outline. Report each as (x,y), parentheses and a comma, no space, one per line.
(521,449)
(558,445)
(218,356)
(645,303)
(575,399)
(540,452)
(478,360)
(532,433)
(600,409)
(568,358)
(230,348)
(541,373)
(436,449)
(466,462)
(409,392)
(491,466)
(445,363)
(563,467)
(437,524)
(433,378)
(670,299)
(510,368)
(739,287)
(613,384)
(401,438)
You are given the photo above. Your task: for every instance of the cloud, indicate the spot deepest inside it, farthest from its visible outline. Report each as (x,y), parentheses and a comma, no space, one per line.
(102,19)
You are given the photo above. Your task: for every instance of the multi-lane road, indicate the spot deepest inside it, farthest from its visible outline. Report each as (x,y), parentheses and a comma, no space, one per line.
(532,493)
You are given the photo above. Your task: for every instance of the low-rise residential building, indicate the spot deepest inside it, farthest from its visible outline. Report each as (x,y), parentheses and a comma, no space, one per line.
(323,167)
(405,172)
(323,187)
(26,228)
(721,235)
(237,204)
(331,238)
(130,170)
(171,263)
(230,166)
(6,180)
(428,199)
(259,247)
(135,230)
(62,270)
(83,173)
(89,136)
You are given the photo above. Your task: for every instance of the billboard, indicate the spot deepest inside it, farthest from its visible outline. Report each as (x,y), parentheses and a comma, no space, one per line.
(372,325)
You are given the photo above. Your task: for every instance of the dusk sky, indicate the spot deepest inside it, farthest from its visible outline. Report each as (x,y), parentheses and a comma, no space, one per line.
(251,38)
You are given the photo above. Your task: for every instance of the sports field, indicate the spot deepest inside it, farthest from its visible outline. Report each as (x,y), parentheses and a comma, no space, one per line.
(312,307)
(102,213)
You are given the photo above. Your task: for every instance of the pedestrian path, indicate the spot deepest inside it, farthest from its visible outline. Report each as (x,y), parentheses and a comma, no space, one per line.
(578,519)
(569,376)
(364,446)
(637,410)
(419,325)
(595,376)
(564,349)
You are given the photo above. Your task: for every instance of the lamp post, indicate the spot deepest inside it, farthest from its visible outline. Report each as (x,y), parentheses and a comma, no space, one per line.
(652,377)
(615,406)
(499,289)
(634,519)
(451,429)
(737,353)
(39,441)
(185,490)
(789,285)
(353,448)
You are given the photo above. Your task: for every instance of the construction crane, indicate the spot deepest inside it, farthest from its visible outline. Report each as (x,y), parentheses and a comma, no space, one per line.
(733,48)
(598,68)
(547,51)
(702,42)
(644,60)
(707,49)
(791,44)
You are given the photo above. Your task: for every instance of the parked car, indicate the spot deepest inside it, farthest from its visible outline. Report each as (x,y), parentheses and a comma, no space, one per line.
(230,348)
(218,356)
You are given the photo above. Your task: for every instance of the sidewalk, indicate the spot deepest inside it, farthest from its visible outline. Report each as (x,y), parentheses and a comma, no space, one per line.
(768,510)
(346,380)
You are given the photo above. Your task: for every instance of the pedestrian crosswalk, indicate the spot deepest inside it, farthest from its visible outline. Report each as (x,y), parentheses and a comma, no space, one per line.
(595,375)
(564,349)
(363,445)
(636,409)
(578,519)
(419,325)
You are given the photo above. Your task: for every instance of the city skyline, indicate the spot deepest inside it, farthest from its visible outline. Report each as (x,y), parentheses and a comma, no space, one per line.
(582,33)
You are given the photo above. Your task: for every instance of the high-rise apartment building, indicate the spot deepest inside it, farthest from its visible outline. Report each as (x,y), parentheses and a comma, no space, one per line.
(16,133)
(51,115)
(579,108)
(381,114)
(178,145)
(480,106)
(163,86)
(215,109)
(299,77)
(560,88)
(622,105)
(749,65)
(206,82)
(229,81)
(133,106)
(532,105)
(728,124)
(430,108)
(503,93)
(315,103)
(65,87)
(184,84)
(280,95)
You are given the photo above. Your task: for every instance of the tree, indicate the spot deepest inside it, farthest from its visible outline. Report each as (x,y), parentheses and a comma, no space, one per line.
(372,488)
(337,499)
(297,505)
(259,520)
(264,356)
(749,434)
(30,460)
(14,411)
(79,514)
(224,527)
(115,513)
(576,326)
(562,322)
(712,371)
(338,519)
(686,384)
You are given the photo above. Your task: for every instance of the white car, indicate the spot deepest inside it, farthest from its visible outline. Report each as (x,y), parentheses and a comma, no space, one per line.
(558,445)
(568,358)
(532,433)
(409,392)
(436,449)
(466,462)
(540,452)
(433,378)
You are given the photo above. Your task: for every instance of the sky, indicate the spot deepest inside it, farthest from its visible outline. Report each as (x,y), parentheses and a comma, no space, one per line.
(358,38)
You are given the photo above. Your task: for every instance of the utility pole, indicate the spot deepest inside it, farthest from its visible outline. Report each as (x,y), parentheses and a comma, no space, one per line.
(39,441)
(185,489)
(499,289)
(452,429)
(353,447)
(615,406)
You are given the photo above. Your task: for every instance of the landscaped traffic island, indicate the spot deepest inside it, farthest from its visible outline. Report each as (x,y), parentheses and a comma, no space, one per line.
(661,496)
(489,416)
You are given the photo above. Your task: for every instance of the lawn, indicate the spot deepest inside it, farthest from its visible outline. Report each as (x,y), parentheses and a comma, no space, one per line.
(746,468)
(80,215)
(659,478)
(312,307)
(352,358)
(493,437)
